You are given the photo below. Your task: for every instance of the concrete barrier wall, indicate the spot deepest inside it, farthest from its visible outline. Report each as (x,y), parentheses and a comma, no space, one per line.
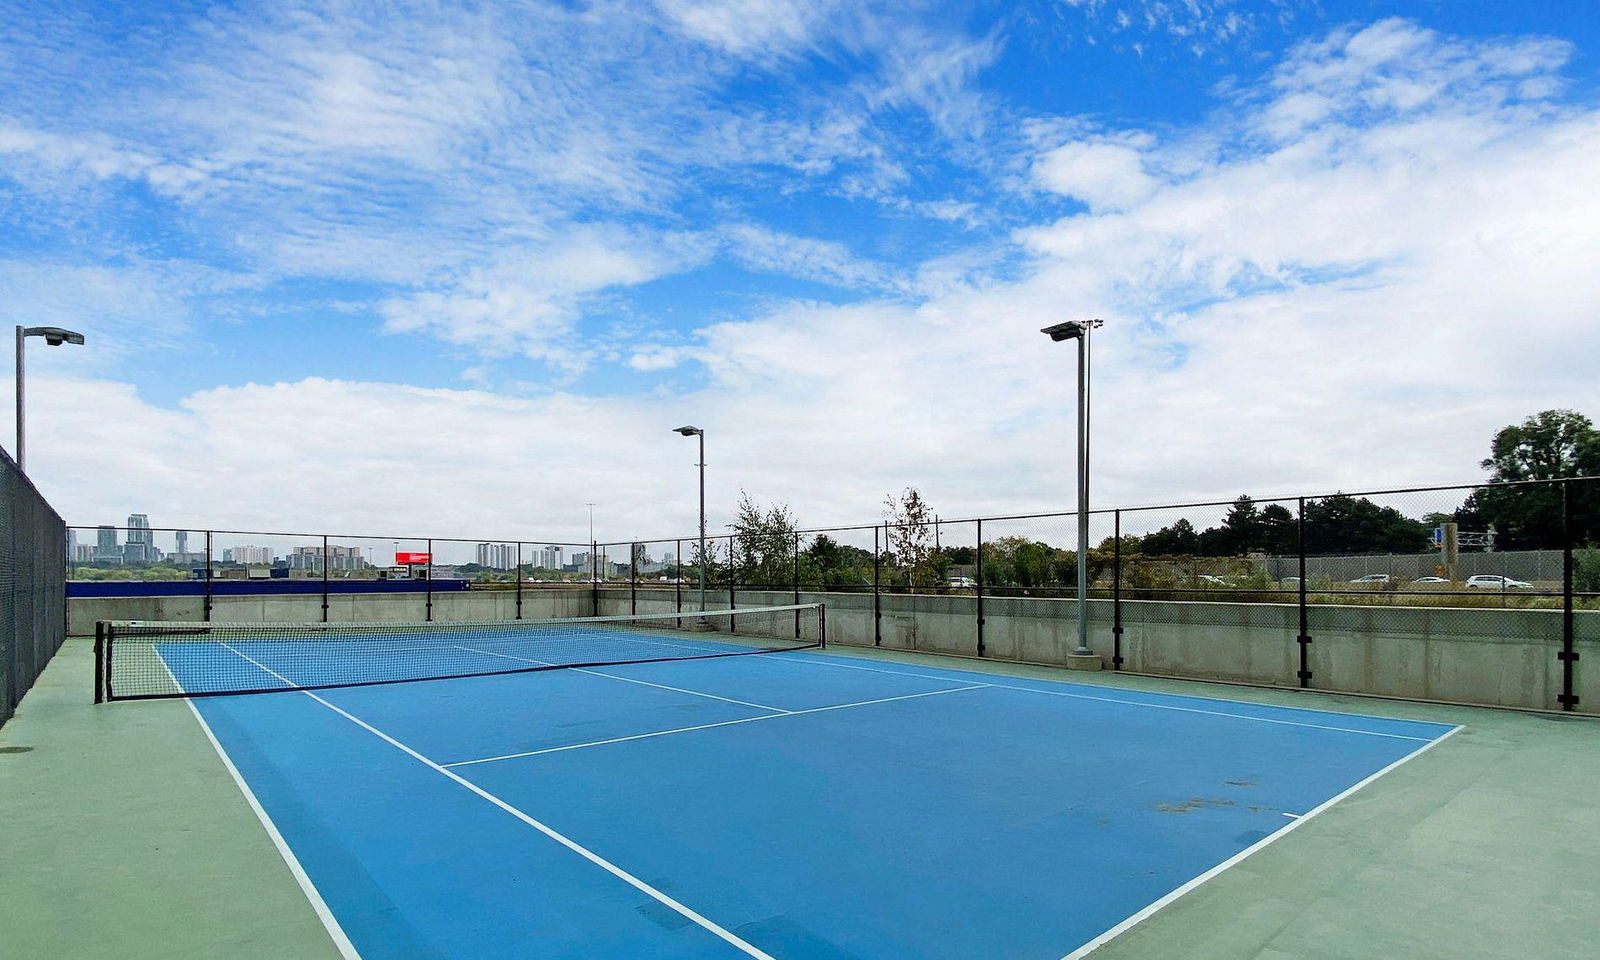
(1487,656)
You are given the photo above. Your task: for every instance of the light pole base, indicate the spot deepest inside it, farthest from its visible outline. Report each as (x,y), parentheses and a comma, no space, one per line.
(1083,661)
(702,625)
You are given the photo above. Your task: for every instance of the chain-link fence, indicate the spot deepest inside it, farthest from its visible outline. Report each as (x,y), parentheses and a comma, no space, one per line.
(1421,592)
(33,616)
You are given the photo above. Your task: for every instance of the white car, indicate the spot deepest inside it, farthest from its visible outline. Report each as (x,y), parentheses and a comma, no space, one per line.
(961,582)
(1489,581)
(1430,580)
(1372,578)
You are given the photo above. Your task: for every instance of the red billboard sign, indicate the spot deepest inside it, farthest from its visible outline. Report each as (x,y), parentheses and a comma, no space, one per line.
(412,558)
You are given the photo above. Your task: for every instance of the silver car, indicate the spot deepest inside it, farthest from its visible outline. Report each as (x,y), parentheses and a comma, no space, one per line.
(1489,581)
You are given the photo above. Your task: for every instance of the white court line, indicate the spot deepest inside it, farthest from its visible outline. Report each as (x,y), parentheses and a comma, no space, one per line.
(319,906)
(582,851)
(708,726)
(608,676)
(1139,703)
(1249,851)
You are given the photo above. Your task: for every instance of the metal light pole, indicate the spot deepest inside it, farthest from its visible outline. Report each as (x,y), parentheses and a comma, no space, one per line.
(55,337)
(1079,330)
(697,432)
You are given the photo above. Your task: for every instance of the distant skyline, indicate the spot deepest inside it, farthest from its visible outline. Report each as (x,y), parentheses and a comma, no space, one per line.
(459,268)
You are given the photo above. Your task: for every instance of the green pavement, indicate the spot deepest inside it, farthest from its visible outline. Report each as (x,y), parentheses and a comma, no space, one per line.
(123,835)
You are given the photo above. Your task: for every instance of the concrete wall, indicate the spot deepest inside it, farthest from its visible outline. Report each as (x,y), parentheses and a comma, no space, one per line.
(1487,656)
(1471,655)
(82,612)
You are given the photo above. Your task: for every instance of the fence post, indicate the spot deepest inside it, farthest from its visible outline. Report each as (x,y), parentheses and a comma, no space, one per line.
(324,578)
(877,607)
(978,591)
(1116,591)
(428,569)
(633,579)
(1568,654)
(677,580)
(519,579)
(797,584)
(594,577)
(207,606)
(1304,638)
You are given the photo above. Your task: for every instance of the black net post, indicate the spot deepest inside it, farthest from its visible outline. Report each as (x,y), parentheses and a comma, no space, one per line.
(1569,653)
(324,578)
(427,571)
(206,608)
(99,662)
(978,590)
(732,588)
(1304,638)
(677,578)
(1116,591)
(877,600)
(797,584)
(519,579)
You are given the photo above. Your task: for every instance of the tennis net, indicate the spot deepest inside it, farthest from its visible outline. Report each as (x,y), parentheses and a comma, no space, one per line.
(144,659)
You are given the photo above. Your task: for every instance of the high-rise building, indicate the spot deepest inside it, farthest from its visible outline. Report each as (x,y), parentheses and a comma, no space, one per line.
(82,553)
(248,555)
(141,547)
(550,558)
(183,541)
(339,558)
(497,556)
(106,548)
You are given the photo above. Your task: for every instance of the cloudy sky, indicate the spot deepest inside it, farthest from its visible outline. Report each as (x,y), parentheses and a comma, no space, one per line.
(457,269)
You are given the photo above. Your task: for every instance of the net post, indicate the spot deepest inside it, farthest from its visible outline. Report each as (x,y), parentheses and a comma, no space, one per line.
(1568,655)
(206,605)
(1304,638)
(877,600)
(110,650)
(1116,591)
(428,587)
(519,579)
(978,589)
(822,625)
(677,581)
(733,604)
(797,583)
(99,661)
(324,578)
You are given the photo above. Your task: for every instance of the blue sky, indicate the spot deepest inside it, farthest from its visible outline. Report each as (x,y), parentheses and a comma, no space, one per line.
(493,249)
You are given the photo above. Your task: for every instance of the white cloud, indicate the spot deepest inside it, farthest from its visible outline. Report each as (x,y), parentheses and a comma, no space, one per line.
(1105,173)
(528,299)
(746,28)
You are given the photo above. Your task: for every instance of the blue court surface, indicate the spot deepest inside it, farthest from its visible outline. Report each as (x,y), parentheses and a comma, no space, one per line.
(795,806)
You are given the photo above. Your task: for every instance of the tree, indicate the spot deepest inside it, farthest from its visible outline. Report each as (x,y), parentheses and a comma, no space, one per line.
(763,543)
(910,535)
(1342,524)
(1178,539)
(828,563)
(1551,445)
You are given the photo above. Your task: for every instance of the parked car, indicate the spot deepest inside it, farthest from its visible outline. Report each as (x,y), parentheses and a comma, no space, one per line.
(1430,580)
(1373,578)
(1290,582)
(1490,581)
(961,582)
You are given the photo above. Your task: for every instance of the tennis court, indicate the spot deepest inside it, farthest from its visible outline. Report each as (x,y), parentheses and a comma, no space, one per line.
(797,805)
